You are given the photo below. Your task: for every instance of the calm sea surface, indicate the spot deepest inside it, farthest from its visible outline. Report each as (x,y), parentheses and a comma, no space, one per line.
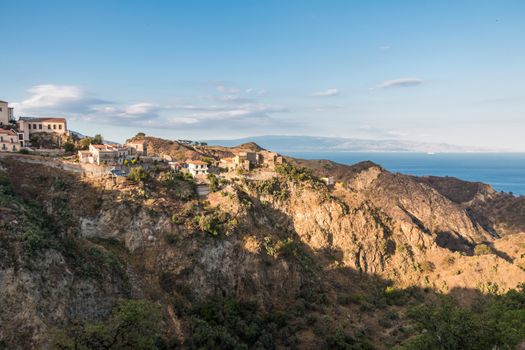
(504,171)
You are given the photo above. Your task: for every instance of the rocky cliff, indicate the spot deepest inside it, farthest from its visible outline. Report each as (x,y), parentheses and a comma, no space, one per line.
(314,261)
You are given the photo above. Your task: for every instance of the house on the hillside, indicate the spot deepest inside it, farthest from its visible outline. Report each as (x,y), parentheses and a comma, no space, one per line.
(8,141)
(175,166)
(138,147)
(85,156)
(197,168)
(269,159)
(329,181)
(30,126)
(108,154)
(6,113)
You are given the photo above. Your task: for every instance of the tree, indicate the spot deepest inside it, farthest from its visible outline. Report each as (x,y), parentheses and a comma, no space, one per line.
(140,135)
(214,183)
(132,325)
(85,142)
(69,147)
(97,139)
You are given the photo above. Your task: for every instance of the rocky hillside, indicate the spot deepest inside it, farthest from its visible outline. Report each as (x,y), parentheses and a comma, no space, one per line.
(285,262)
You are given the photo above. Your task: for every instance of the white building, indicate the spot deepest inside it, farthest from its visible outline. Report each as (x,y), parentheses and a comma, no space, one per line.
(29,126)
(138,147)
(197,168)
(8,141)
(6,113)
(105,154)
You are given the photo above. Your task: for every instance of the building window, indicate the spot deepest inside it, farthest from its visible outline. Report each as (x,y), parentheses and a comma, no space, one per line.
(0,109)
(1,139)
(54,126)
(14,148)
(48,126)
(29,125)
(34,126)
(40,126)
(59,126)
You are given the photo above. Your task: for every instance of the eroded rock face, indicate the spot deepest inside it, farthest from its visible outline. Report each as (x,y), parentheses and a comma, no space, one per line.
(289,242)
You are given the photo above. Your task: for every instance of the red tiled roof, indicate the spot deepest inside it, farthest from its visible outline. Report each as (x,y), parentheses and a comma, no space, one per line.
(41,120)
(196,162)
(7,132)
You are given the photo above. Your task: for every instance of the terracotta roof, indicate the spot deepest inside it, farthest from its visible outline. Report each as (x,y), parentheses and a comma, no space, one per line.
(7,132)
(196,162)
(41,120)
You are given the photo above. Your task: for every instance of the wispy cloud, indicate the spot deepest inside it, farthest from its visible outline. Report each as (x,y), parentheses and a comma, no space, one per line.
(325,93)
(62,99)
(402,82)
(385,47)
(228,111)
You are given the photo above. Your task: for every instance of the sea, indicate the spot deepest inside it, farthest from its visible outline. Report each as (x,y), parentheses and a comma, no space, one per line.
(504,171)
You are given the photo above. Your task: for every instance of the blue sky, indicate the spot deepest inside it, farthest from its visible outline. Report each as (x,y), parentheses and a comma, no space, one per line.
(439,71)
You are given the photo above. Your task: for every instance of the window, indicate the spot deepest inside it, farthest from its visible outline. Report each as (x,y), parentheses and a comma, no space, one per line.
(29,126)
(1,139)
(54,126)
(34,126)
(48,126)
(59,126)
(40,126)
(0,109)
(14,148)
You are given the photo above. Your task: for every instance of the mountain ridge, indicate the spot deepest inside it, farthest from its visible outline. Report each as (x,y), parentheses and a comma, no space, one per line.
(288,143)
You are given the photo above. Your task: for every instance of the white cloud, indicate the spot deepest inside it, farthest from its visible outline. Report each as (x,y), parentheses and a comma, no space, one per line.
(325,93)
(227,111)
(385,47)
(402,82)
(50,98)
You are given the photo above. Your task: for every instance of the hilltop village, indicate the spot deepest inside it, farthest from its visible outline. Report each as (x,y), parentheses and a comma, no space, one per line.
(180,244)
(49,139)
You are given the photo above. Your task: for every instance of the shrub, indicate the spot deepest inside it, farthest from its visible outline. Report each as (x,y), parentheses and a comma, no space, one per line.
(137,174)
(69,147)
(449,260)
(482,249)
(214,183)
(132,325)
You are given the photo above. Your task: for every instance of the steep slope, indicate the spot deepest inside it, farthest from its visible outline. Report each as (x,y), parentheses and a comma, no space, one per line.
(317,267)
(502,213)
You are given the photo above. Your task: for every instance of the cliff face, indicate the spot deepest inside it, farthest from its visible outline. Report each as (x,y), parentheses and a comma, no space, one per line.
(72,247)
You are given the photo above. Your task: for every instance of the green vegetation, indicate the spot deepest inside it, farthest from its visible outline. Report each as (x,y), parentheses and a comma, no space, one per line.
(214,183)
(132,325)
(137,174)
(215,222)
(229,324)
(297,174)
(482,249)
(271,187)
(69,147)
(498,322)
(97,139)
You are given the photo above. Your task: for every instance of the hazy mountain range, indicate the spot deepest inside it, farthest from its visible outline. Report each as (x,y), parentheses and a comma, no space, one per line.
(282,143)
